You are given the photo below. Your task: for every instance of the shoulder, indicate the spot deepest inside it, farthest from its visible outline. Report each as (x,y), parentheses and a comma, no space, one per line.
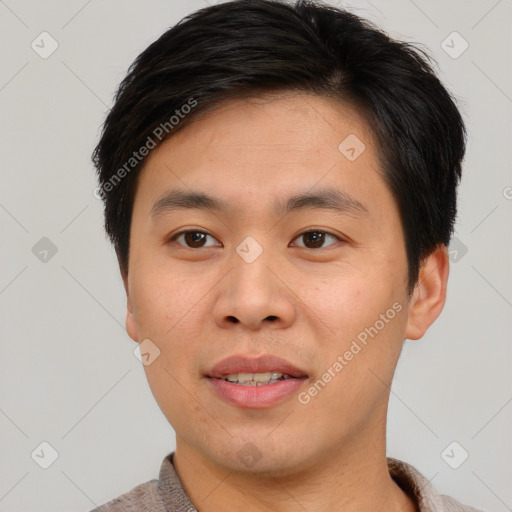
(158,495)
(143,497)
(422,491)
(452,505)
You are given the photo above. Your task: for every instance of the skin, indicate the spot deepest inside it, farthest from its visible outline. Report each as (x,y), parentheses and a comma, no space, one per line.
(328,454)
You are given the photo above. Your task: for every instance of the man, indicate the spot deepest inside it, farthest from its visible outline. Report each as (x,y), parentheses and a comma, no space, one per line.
(280,187)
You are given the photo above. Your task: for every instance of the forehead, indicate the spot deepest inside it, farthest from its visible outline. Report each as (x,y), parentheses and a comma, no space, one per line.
(262,148)
(290,121)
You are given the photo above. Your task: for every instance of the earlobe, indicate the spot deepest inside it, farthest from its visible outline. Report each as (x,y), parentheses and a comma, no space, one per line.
(429,294)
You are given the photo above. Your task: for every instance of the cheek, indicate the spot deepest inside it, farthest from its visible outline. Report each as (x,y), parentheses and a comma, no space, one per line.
(360,309)
(173,393)
(168,311)
(164,300)
(360,357)
(343,303)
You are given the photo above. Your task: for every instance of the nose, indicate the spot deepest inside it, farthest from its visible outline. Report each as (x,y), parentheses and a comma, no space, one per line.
(255,294)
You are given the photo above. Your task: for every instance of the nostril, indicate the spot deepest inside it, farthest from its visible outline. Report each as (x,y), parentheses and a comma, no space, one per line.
(272,317)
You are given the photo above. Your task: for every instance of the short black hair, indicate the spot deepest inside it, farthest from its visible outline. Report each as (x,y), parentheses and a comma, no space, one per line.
(247,48)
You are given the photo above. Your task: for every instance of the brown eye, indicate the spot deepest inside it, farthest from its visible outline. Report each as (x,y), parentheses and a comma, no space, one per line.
(192,239)
(315,239)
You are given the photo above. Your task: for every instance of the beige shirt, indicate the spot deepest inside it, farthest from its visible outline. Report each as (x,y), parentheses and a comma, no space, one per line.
(167,494)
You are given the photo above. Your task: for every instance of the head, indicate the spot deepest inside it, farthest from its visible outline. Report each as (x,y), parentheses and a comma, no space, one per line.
(251,103)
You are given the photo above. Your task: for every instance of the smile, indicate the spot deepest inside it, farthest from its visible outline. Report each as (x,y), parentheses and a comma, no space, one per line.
(256,379)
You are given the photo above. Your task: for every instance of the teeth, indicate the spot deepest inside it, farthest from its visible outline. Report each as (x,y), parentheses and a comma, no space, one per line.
(255,379)
(262,377)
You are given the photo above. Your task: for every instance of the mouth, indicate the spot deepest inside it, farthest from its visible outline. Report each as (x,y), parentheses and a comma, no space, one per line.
(256,379)
(260,382)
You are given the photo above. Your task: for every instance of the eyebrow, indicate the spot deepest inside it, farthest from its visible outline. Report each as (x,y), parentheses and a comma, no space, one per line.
(330,199)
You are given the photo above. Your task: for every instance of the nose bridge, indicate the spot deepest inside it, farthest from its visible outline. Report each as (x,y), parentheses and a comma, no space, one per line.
(252,291)
(251,250)
(250,265)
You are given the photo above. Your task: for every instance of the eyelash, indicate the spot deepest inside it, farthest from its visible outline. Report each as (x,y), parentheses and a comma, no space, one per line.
(174,237)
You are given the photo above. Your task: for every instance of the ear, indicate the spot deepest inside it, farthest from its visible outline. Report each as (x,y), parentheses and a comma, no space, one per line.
(429,294)
(131,324)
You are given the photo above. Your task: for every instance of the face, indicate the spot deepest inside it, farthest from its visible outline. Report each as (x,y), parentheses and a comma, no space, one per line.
(315,288)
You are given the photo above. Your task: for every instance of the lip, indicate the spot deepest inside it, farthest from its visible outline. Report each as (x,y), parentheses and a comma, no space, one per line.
(255,397)
(260,364)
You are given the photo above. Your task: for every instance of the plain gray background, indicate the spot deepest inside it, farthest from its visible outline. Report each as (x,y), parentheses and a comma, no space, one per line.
(68,374)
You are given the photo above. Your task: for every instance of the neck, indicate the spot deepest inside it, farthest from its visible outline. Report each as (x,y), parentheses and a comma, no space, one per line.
(341,480)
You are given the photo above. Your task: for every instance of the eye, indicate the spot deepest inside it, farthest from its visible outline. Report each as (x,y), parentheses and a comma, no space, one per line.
(193,239)
(316,238)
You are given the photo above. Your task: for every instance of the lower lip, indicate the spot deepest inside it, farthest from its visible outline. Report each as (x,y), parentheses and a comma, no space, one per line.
(257,397)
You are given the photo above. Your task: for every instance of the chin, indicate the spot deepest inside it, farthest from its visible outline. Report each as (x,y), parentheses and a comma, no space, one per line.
(260,457)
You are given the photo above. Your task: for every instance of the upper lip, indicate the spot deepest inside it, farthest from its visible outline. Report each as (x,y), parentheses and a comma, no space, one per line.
(260,364)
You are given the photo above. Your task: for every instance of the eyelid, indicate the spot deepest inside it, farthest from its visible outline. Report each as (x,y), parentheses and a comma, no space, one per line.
(174,236)
(339,238)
